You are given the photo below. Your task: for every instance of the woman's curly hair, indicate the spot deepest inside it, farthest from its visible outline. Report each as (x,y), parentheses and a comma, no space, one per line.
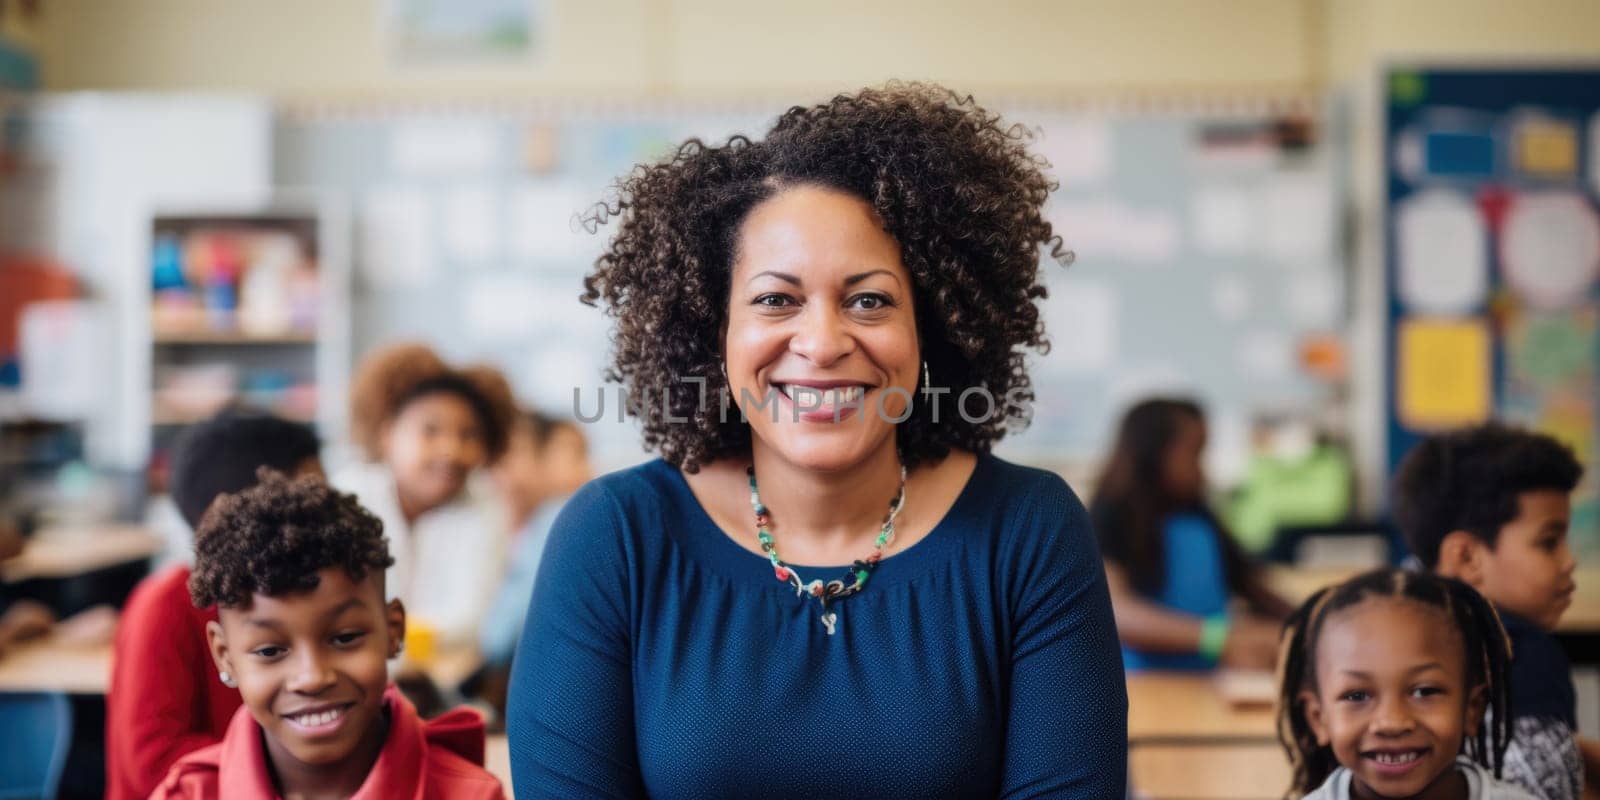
(954,186)
(390,378)
(272,539)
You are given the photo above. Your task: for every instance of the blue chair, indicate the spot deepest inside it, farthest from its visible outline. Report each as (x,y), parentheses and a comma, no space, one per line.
(38,732)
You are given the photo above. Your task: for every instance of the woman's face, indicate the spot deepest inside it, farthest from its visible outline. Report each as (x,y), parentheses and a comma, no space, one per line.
(821,340)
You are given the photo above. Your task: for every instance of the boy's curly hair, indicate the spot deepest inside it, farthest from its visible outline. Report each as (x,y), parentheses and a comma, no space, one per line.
(389,379)
(954,186)
(273,538)
(1469,480)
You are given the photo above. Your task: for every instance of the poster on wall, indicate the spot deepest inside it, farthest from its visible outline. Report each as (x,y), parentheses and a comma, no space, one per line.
(461,32)
(1493,260)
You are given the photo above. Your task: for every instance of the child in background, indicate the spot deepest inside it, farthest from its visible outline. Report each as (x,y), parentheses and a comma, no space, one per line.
(296,570)
(164,699)
(1490,505)
(545,463)
(1385,677)
(426,429)
(1171,565)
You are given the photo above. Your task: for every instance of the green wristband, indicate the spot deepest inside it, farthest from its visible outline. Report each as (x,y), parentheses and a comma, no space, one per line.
(1213,634)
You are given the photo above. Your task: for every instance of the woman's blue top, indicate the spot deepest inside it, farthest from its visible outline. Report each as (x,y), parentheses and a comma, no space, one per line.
(660,658)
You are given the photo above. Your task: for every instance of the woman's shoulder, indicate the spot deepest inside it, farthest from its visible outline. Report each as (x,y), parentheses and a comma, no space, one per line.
(1030,496)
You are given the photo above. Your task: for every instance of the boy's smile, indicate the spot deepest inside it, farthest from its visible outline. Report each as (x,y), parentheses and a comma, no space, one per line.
(312,668)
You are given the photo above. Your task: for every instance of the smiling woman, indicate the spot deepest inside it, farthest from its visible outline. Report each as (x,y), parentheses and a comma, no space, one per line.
(937,624)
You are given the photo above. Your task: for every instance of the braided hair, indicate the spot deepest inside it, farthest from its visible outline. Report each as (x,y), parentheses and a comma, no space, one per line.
(1488,657)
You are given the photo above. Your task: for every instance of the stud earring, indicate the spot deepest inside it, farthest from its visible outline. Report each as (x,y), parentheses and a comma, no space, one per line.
(227,680)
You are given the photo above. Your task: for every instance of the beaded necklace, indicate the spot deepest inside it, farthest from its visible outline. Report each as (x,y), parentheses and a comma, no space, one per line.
(857,574)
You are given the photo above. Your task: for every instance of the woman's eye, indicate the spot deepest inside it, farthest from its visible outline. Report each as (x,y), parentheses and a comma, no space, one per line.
(871,302)
(269,651)
(772,300)
(1355,696)
(1427,691)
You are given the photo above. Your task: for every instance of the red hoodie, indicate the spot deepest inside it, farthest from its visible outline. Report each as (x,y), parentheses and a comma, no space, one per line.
(165,700)
(436,760)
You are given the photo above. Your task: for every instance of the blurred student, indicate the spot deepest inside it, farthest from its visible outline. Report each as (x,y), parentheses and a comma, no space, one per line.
(1172,567)
(296,571)
(1385,685)
(547,460)
(425,429)
(165,700)
(1490,505)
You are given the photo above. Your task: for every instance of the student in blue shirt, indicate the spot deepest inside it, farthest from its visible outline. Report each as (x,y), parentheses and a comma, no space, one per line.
(1173,568)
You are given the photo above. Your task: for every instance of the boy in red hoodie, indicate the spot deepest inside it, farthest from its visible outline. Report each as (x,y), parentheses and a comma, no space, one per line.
(165,700)
(296,571)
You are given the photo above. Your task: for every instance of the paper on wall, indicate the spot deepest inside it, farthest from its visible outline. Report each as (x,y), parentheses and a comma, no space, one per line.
(1265,355)
(1545,147)
(471,224)
(545,223)
(1081,320)
(396,245)
(1298,219)
(1079,150)
(1224,220)
(1442,373)
(1314,298)
(502,307)
(453,147)
(1550,248)
(1441,253)
(1104,230)
(559,369)
(1231,297)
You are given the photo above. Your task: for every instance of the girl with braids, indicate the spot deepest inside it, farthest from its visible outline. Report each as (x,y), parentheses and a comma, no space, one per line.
(1385,682)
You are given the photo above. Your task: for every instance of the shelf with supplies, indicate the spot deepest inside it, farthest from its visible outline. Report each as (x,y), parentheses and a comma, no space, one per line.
(249,306)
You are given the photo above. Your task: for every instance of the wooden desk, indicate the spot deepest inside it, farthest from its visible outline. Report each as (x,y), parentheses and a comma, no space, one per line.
(47,666)
(1182,707)
(66,552)
(1185,740)
(1582,617)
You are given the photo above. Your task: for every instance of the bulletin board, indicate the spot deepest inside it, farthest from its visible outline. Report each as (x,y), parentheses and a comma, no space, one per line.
(1493,258)
(1205,233)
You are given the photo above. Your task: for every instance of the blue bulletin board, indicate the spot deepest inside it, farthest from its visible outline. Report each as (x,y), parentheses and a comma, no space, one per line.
(1493,258)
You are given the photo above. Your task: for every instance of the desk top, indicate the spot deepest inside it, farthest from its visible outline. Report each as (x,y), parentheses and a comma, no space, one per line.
(1179,707)
(49,666)
(65,552)
(1583,617)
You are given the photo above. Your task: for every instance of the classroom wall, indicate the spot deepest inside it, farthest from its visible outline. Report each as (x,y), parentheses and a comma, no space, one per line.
(1358,37)
(299,47)
(314,48)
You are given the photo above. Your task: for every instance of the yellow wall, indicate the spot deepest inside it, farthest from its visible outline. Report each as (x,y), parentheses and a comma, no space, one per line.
(334,47)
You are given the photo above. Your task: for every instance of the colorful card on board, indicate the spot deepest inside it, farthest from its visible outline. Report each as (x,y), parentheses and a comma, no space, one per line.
(1458,154)
(1547,148)
(1444,373)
